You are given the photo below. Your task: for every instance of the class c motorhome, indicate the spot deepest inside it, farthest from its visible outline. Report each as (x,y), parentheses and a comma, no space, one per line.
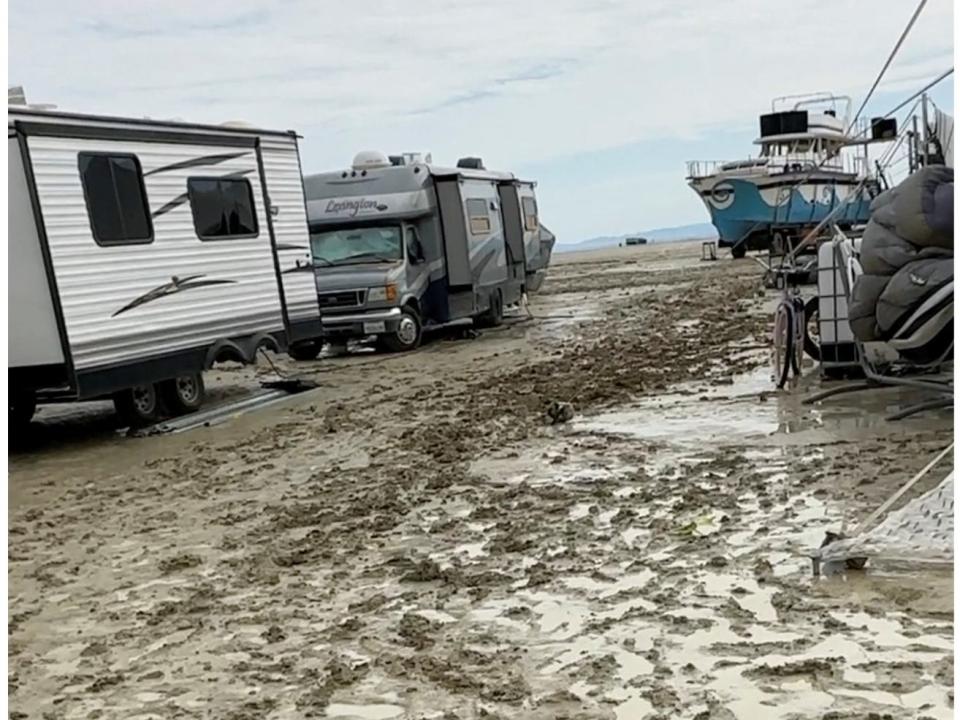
(142,251)
(400,244)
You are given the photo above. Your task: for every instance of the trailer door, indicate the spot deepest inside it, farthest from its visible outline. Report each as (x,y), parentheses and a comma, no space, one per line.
(453,225)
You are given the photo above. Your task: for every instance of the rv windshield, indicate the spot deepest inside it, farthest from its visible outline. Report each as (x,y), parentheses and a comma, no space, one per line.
(350,246)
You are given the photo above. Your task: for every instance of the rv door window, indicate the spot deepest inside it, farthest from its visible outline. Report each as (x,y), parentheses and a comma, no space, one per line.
(222,208)
(530,221)
(479,216)
(116,199)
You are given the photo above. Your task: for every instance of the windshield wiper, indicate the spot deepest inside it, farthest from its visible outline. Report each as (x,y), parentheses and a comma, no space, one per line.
(322,261)
(372,255)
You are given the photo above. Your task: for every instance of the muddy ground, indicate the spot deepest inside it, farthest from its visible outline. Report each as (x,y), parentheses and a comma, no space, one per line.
(416,539)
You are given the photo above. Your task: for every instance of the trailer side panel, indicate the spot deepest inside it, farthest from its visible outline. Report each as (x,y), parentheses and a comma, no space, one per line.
(281,165)
(34,339)
(172,296)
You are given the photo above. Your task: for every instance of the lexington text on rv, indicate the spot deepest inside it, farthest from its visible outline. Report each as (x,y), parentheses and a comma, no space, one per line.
(399,245)
(143,251)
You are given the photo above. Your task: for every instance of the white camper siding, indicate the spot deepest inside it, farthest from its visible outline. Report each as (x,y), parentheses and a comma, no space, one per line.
(488,250)
(96,283)
(281,166)
(34,338)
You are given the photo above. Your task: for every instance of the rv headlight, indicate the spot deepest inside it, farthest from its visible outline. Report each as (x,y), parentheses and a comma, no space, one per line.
(380,294)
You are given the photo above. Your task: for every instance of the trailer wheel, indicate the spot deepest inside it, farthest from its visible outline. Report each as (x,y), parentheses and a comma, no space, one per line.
(184,394)
(22,408)
(739,251)
(139,405)
(407,335)
(305,351)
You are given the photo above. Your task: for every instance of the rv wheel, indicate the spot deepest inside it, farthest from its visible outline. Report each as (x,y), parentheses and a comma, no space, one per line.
(739,251)
(184,394)
(407,335)
(304,351)
(139,405)
(493,317)
(22,408)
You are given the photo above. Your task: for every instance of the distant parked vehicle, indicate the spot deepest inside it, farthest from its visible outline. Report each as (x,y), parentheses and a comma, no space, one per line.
(636,241)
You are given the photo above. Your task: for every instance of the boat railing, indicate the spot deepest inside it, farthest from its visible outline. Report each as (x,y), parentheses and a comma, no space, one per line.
(775,164)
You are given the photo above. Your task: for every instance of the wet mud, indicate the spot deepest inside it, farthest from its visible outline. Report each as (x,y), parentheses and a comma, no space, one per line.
(602,511)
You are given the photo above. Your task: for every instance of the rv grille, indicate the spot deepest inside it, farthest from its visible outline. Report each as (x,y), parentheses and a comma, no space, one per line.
(343,298)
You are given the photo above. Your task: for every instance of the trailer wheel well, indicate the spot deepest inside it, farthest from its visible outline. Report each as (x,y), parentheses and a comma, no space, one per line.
(243,350)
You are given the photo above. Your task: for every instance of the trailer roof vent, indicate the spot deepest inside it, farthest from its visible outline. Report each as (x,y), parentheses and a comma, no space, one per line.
(370,160)
(240,124)
(471,163)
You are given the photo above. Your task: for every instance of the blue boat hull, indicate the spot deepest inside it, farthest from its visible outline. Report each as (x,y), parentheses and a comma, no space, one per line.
(750,211)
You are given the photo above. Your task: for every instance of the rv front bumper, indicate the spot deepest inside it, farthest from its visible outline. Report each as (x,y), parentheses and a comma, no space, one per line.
(357,325)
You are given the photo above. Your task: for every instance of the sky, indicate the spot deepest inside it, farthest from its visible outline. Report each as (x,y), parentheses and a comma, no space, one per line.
(601,102)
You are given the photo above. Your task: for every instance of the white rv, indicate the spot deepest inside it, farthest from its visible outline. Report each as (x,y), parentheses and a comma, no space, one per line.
(400,245)
(142,251)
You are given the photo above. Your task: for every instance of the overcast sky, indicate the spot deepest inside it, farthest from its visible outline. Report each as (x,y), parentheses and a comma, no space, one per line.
(600,101)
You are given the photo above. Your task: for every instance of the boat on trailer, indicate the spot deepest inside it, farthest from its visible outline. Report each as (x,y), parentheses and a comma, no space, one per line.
(810,162)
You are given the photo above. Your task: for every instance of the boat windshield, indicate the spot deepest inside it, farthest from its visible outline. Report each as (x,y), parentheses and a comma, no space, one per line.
(349,246)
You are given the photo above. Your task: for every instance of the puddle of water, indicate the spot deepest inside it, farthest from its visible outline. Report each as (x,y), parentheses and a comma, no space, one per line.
(929,698)
(605,589)
(381,711)
(630,705)
(756,600)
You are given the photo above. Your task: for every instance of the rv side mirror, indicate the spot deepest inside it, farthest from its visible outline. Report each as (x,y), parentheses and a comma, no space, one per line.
(414,250)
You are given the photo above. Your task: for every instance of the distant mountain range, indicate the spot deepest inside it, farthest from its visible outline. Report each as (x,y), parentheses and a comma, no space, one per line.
(697,231)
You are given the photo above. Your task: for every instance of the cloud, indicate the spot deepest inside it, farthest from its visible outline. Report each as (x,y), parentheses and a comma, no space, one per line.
(520,84)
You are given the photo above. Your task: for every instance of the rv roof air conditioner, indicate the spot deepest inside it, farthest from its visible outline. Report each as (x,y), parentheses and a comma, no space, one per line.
(471,163)
(370,160)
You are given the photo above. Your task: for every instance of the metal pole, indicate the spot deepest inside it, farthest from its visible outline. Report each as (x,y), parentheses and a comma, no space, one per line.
(914,146)
(926,138)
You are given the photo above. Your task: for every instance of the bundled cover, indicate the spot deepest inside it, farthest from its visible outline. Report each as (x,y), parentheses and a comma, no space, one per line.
(905,294)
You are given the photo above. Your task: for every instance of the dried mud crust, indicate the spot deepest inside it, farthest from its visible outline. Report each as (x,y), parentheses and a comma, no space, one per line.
(417,540)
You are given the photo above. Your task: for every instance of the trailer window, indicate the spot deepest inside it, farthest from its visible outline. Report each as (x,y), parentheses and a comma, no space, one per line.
(530,221)
(116,198)
(478,216)
(222,208)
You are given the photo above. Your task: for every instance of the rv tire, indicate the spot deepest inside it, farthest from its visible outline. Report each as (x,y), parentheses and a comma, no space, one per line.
(22,408)
(493,317)
(184,394)
(305,351)
(138,406)
(739,251)
(407,335)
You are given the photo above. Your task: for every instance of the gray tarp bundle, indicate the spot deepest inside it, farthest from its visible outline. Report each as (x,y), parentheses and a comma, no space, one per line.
(906,253)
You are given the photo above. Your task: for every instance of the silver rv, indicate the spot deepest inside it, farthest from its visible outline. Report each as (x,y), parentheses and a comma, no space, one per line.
(399,244)
(142,251)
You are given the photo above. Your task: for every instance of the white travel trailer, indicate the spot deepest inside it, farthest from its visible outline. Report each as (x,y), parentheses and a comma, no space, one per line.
(400,244)
(142,251)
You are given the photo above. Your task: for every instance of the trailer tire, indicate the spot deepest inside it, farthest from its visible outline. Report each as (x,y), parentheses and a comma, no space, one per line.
(22,408)
(138,406)
(305,351)
(407,335)
(739,251)
(183,395)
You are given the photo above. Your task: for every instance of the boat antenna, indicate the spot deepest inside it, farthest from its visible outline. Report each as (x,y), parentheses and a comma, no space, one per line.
(886,65)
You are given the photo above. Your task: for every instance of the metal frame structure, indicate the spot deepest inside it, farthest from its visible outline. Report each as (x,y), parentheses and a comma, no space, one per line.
(873,377)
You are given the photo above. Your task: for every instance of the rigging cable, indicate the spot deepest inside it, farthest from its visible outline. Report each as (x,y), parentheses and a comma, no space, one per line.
(886,65)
